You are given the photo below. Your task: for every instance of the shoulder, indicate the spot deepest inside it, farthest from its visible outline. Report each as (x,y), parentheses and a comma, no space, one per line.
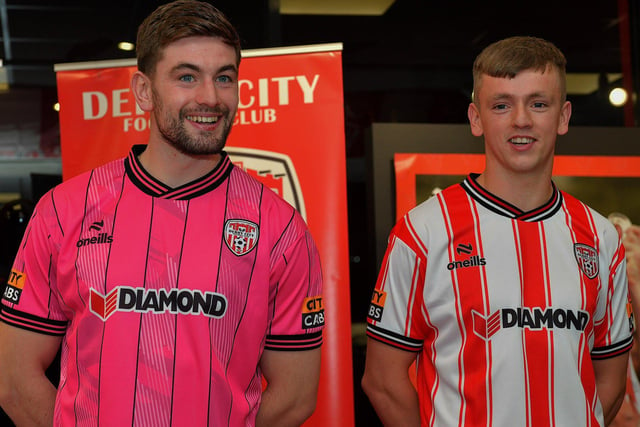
(590,219)
(72,193)
(431,209)
(267,197)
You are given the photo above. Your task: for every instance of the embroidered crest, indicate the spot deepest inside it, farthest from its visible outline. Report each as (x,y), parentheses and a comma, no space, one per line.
(587,258)
(241,236)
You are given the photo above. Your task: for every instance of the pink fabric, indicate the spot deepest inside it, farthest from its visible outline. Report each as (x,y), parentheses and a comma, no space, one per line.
(169,296)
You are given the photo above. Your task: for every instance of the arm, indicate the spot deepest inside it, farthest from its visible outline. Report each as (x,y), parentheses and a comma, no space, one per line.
(631,241)
(611,378)
(387,384)
(26,394)
(292,386)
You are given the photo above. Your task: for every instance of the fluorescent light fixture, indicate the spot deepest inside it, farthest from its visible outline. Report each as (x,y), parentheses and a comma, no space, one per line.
(335,7)
(126,46)
(4,79)
(586,83)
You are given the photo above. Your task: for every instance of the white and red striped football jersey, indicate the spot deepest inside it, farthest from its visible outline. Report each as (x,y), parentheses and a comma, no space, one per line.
(166,297)
(505,308)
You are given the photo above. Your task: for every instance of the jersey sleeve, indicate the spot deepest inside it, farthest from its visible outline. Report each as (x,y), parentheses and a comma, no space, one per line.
(613,322)
(296,304)
(28,301)
(394,312)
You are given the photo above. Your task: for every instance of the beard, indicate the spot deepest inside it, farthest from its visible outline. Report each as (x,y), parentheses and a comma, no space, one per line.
(173,130)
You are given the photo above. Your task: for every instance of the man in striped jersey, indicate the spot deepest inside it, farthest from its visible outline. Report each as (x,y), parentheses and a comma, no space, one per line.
(508,294)
(172,280)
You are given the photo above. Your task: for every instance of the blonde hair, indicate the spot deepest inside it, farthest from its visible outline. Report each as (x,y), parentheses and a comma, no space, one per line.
(508,57)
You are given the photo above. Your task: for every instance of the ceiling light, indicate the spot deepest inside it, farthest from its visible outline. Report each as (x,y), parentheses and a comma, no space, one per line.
(618,97)
(126,46)
(335,7)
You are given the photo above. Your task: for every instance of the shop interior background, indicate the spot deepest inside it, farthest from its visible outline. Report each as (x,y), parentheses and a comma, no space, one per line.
(404,61)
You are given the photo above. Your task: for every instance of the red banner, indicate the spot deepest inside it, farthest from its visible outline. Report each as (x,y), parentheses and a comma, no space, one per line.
(289,133)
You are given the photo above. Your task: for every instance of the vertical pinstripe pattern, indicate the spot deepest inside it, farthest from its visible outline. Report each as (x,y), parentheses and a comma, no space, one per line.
(163,323)
(537,345)
(500,309)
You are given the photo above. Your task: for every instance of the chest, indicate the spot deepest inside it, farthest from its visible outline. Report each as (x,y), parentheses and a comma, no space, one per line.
(536,274)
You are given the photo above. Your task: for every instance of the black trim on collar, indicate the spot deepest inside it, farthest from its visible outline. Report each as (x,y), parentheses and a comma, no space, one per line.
(504,208)
(153,187)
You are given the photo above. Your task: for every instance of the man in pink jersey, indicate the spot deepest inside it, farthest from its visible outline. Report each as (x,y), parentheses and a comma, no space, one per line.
(508,294)
(172,281)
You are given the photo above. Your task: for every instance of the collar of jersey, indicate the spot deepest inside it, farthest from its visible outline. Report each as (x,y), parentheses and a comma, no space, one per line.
(502,207)
(151,186)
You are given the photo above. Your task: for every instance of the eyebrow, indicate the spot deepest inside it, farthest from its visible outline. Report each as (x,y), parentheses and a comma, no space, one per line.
(533,95)
(193,67)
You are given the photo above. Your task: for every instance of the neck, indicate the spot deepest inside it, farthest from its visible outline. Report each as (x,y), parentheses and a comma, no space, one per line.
(174,168)
(524,192)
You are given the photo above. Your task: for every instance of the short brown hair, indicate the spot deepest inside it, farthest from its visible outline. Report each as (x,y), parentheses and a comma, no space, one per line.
(508,57)
(177,20)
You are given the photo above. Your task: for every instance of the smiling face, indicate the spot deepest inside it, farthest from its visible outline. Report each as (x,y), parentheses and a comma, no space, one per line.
(192,95)
(520,118)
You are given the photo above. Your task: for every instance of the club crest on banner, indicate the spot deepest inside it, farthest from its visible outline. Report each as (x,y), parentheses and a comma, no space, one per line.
(275,170)
(587,258)
(241,236)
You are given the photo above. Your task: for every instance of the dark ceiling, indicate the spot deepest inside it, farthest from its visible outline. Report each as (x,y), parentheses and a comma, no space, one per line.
(410,64)
(412,33)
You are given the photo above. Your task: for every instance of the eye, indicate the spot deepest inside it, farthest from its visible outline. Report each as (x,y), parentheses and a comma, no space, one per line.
(225,80)
(539,104)
(188,78)
(500,107)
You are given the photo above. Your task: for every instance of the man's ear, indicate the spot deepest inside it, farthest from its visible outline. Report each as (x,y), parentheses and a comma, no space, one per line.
(565,115)
(474,119)
(141,88)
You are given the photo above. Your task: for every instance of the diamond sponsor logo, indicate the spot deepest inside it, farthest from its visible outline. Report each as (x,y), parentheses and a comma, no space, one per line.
(534,318)
(157,301)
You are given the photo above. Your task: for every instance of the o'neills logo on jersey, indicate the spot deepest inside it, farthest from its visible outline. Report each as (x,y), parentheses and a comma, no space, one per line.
(241,236)
(474,261)
(587,258)
(140,300)
(528,318)
(97,239)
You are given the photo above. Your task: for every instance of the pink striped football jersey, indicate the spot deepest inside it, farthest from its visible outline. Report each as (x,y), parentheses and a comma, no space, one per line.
(165,297)
(505,309)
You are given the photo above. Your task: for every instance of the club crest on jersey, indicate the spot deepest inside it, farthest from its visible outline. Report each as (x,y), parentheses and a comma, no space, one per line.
(587,258)
(241,236)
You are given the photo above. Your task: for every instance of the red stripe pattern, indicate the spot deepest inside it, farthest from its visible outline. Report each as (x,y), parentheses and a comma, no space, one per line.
(505,308)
